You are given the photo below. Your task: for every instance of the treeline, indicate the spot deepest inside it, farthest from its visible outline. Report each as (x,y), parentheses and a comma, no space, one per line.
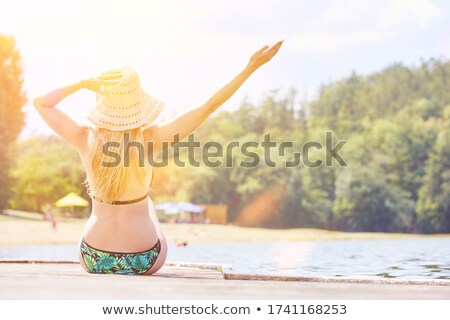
(397,126)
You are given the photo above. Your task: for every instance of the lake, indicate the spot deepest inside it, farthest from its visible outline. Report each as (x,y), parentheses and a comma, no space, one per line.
(420,258)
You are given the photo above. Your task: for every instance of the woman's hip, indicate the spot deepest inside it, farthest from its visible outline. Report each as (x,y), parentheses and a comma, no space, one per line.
(96,260)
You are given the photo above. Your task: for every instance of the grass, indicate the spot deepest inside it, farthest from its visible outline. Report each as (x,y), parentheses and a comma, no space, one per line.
(23,228)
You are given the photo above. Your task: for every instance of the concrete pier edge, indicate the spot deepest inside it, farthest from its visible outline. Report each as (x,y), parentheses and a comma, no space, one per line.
(228,274)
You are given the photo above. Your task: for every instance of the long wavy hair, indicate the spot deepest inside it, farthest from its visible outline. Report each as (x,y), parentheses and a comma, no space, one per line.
(109,182)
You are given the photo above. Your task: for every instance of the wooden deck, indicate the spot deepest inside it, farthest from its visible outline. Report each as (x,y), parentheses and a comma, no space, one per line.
(65,280)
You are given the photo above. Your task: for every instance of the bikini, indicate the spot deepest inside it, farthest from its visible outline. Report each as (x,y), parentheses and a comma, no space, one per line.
(102,261)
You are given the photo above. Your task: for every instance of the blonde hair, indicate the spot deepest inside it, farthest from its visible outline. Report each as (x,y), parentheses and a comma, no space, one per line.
(109,182)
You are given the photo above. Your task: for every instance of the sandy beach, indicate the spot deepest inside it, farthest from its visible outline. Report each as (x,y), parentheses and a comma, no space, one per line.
(22,228)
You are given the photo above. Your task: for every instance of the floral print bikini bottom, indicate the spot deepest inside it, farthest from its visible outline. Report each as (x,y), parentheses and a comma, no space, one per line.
(100,261)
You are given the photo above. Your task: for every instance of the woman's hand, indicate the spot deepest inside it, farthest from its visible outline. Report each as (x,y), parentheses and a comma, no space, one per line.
(96,83)
(262,56)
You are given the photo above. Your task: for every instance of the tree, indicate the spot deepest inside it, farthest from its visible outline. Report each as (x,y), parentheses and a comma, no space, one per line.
(46,168)
(433,206)
(12,100)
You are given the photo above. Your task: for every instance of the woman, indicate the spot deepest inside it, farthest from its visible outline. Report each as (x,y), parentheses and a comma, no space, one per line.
(123,234)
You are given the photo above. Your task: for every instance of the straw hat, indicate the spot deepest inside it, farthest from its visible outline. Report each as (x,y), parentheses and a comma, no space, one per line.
(125,105)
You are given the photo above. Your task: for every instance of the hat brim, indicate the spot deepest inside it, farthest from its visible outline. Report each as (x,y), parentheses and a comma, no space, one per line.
(149,110)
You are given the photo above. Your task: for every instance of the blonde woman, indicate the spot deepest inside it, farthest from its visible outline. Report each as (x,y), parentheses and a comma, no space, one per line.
(123,235)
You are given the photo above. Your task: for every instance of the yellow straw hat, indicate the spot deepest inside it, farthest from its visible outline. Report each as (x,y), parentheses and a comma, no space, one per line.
(125,105)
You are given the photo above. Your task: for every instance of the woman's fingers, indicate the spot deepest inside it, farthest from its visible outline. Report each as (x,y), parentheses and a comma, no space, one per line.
(114,71)
(98,90)
(262,49)
(274,49)
(105,80)
(111,76)
(108,82)
(276,46)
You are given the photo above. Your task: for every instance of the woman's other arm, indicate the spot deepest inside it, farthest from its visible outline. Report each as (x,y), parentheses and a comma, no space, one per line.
(60,122)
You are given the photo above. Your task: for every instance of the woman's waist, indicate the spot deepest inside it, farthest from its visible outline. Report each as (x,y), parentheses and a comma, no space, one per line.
(120,220)
(135,232)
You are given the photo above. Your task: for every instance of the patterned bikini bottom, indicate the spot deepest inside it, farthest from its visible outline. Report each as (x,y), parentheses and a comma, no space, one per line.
(101,261)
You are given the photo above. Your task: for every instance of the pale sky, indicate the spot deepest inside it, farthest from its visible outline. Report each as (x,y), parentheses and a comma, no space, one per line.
(184,51)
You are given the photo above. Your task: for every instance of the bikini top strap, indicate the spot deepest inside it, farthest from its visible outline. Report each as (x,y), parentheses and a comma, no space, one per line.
(122,202)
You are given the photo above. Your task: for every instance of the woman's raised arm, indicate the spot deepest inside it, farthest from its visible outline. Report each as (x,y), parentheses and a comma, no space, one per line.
(181,126)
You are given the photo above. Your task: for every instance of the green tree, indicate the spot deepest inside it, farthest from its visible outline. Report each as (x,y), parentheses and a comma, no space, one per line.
(46,169)
(433,206)
(12,100)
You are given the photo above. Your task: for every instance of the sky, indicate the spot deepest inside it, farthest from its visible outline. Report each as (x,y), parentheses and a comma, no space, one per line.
(184,51)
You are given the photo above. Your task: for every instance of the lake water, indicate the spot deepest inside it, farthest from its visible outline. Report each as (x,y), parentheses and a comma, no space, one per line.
(421,258)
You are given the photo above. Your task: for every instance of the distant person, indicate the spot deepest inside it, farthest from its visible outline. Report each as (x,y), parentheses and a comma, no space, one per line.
(49,216)
(123,234)
(181,243)
(54,222)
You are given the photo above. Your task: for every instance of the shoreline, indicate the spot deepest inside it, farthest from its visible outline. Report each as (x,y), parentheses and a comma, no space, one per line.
(20,231)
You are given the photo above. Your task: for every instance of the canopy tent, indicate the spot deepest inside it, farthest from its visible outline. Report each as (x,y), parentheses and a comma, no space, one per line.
(173,208)
(71,200)
(164,206)
(190,207)
(168,207)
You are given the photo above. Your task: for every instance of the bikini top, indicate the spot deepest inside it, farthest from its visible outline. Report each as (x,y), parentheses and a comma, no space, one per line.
(124,201)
